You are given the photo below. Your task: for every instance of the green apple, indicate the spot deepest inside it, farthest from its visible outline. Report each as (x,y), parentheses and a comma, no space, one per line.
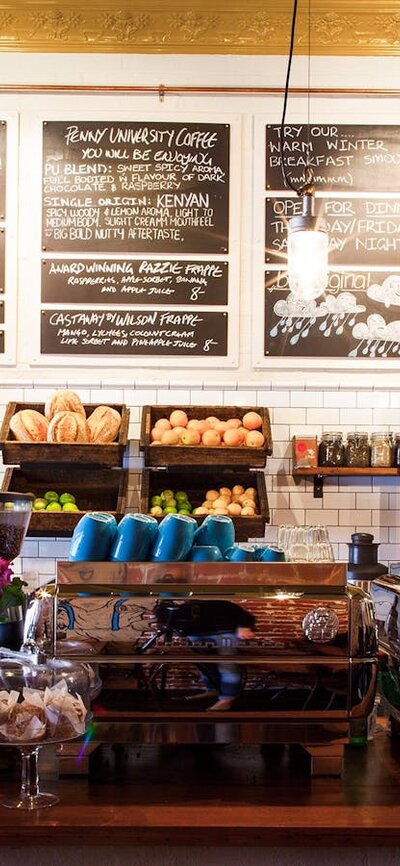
(51,496)
(68,506)
(170,509)
(156,500)
(67,497)
(54,506)
(39,504)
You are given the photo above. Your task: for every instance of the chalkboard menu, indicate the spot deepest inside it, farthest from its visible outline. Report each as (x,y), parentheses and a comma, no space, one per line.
(362,230)
(133,332)
(135,187)
(358,316)
(357,157)
(142,281)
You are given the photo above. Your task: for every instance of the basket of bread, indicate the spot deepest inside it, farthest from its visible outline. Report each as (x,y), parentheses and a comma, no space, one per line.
(64,430)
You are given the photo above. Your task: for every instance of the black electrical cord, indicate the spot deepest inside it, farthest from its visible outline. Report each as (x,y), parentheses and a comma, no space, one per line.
(309,172)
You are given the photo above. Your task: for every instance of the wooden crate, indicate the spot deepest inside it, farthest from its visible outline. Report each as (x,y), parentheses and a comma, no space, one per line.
(169,455)
(95,489)
(196,484)
(16,452)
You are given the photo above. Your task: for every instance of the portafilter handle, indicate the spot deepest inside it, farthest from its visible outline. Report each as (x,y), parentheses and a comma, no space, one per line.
(35,631)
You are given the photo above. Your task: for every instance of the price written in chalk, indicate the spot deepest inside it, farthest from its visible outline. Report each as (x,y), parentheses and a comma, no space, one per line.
(133,332)
(142,281)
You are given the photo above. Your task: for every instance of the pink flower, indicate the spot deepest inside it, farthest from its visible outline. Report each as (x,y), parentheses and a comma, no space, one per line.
(5,573)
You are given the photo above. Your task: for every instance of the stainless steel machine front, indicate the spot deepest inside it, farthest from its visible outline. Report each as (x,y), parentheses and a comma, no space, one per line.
(217,652)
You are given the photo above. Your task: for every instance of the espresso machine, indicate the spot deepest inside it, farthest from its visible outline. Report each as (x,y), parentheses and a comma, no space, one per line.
(216,652)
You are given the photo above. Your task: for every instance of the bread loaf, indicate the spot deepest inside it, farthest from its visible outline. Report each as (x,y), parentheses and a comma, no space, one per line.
(28,425)
(104,424)
(68,427)
(63,401)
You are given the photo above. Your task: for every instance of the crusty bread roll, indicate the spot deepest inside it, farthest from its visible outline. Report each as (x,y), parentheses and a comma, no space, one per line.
(104,424)
(63,401)
(29,426)
(68,427)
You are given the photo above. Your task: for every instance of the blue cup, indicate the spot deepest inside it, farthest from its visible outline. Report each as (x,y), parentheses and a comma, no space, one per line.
(241,553)
(270,553)
(216,530)
(92,537)
(174,538)
(205,553)
(134,538)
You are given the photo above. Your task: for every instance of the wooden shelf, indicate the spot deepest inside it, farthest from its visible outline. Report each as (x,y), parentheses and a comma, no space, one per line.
(320,472)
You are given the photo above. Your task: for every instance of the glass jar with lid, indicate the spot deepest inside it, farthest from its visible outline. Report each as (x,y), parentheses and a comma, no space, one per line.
(357,450)
(381,450)
(331,451)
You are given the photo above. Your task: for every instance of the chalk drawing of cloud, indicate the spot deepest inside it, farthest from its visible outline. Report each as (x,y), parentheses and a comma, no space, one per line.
(376,337)
(388,293)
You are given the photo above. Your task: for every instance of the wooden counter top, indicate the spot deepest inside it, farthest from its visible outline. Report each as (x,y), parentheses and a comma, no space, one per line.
(227,796)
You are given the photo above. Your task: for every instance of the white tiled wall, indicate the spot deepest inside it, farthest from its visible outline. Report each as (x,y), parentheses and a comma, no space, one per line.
(348,504)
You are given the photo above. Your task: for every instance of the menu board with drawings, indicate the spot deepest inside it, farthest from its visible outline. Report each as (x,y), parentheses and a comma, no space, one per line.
(145,200)
(357,173)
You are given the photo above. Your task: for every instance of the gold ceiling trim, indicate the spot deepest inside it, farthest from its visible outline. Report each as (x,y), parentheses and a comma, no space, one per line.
(357,27)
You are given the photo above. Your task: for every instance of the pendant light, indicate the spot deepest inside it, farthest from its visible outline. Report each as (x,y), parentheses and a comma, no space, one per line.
(307,234)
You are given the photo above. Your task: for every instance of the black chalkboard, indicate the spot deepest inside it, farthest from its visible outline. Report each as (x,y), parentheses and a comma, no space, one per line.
(362,231)
(357,317)
(3,167)
(135,187)
(353,157)
(133,332)
(142,281)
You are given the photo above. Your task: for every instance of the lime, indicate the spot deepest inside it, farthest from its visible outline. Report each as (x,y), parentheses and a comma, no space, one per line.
(156,510)
(9,506)
(54,506)
(181,495)
(167,494)
(51,496)
(187,505)
(184,511)
(67,497)
(156,500)
(170,501)
(68,506)
(39,504)
(170,509)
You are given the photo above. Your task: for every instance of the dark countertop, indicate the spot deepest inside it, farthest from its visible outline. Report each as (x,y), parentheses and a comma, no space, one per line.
(219,796)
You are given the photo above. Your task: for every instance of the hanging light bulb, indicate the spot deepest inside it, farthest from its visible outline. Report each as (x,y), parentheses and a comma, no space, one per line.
(307,251)
(307,234)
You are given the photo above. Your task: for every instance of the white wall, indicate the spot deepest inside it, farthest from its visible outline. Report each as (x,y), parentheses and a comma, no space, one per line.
(366,396)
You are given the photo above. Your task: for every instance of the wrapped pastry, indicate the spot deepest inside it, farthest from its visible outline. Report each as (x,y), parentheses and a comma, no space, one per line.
(68,427)
(28,425)
(7,701)
(104,424)
(63,401)
(65,713)
(26,722)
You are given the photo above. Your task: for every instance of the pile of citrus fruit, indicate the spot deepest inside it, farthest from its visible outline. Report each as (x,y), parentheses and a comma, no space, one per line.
(52,501)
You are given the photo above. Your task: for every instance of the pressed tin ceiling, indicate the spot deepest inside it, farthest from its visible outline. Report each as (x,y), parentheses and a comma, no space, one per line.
(356,27)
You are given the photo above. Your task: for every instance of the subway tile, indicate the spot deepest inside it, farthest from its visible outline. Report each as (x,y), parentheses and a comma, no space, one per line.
(204,398)
(42,566)
(340,534)
(176,397)
(106,395)
(134,431)
(57,549)
(304,499)
(283,449)
(394,537)
(30,549)
(395,399)
(288,415)
(340,399)
(347,516)
(373,399)
(274,398)
(380,533)
(343,499)
(307,399)
(278,500)
(280,433)
(323,416)
(385,518)
(372,500)
(7,395)
(282,480)
(138,397)
(357,417)
(390,484)
(394,500)
(325,516)
(391,417)
(239,398)
(306,430)
(37,395)
(288,516)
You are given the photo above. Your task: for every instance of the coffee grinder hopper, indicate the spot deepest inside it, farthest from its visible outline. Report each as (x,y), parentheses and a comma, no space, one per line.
(15,512)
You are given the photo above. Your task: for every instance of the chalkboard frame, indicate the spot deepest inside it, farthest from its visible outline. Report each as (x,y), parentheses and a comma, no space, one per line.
(369,114)
(231,360)
(9,224)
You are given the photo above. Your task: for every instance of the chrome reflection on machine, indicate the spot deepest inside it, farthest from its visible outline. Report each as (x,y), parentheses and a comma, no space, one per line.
(219,652)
